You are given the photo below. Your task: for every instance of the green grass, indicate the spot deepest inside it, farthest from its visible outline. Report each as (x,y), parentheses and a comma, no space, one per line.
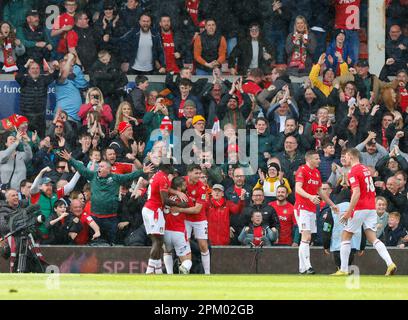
(103,286)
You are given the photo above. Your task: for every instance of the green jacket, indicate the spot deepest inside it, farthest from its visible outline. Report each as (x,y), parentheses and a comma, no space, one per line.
(47,208)
(104,191)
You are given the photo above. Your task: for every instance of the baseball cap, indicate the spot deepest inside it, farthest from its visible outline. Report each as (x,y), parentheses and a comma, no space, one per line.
(32,13)
(190,103)
(362,63)
(218,186)
(46,180)
(197,118)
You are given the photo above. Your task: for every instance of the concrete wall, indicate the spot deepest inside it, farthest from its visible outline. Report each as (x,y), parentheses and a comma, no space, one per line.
(224,260)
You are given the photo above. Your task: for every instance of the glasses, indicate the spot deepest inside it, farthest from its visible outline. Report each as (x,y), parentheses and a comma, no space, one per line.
(254,29)
(319,131)
(59,127)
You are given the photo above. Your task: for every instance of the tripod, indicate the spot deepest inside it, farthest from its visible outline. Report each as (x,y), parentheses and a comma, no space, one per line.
(25,247)
(23,253)
(258,251)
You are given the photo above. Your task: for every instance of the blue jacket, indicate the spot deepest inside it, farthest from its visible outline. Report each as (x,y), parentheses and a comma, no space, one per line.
(331,50)
(130,44)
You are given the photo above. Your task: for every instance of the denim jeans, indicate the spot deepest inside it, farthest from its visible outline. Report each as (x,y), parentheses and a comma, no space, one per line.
(201,72)
(353,40)
(108,227)
(277,40)
(231,43)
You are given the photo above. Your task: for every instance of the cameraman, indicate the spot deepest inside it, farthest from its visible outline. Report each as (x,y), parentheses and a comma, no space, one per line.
(7,208)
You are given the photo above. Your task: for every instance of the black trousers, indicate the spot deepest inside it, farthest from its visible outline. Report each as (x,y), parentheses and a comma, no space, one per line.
(36,122)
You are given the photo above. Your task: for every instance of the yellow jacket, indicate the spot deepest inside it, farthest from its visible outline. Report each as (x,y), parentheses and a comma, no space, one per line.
(317,83)
(270,186)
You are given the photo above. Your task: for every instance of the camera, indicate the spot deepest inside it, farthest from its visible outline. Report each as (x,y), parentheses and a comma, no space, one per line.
(26,220)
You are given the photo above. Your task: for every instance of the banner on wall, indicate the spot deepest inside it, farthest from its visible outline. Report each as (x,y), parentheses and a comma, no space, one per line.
(10,98)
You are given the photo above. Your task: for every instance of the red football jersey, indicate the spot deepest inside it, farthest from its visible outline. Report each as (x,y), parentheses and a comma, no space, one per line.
(175,221)
(159,182)
(347,14)
(169,49)
(83,236)
(360,176)
(192,9)
(61,21)
(312,182)
(121,168)
(197,194)
(287,221)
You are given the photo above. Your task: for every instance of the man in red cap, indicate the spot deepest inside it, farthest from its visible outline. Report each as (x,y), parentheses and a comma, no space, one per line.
(125,147)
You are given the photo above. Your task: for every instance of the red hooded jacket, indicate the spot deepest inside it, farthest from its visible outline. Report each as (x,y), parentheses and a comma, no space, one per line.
(218,216)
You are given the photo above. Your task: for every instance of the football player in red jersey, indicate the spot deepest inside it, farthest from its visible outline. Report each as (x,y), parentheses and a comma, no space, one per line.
(196,217)
(308,194)
(175,236)
(153,219)
(361,213)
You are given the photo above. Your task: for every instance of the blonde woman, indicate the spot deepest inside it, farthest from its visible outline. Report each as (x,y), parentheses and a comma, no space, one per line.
(300,47)
(124,113)
(94,102)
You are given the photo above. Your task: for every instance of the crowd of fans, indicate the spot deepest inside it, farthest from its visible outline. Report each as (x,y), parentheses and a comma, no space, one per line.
(262,43)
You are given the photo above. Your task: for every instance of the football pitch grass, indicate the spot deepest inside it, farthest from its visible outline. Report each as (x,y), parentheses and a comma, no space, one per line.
(195,287)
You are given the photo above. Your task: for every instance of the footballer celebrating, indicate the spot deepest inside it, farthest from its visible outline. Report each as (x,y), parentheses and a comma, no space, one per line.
(308,195)
(152,212)
(175,236)
(196,218)
(361,213)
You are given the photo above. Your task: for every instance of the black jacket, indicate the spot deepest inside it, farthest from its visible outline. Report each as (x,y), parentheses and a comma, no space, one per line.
(59,232)
(129,17)
(136,98)
(392,238)
(108,77)
(243,53)
(86,47)
(290,166)
(121,150)
(33,93)
(114,32)
(270,217)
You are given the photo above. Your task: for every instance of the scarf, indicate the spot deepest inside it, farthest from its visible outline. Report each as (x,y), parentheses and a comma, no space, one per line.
(384,141)
(258,234)
(299,55)
(403,94)
(9,62)
(218,203)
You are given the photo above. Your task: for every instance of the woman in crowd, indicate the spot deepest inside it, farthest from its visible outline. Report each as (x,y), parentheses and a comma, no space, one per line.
(300,47)
(11,48)
(94,102)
